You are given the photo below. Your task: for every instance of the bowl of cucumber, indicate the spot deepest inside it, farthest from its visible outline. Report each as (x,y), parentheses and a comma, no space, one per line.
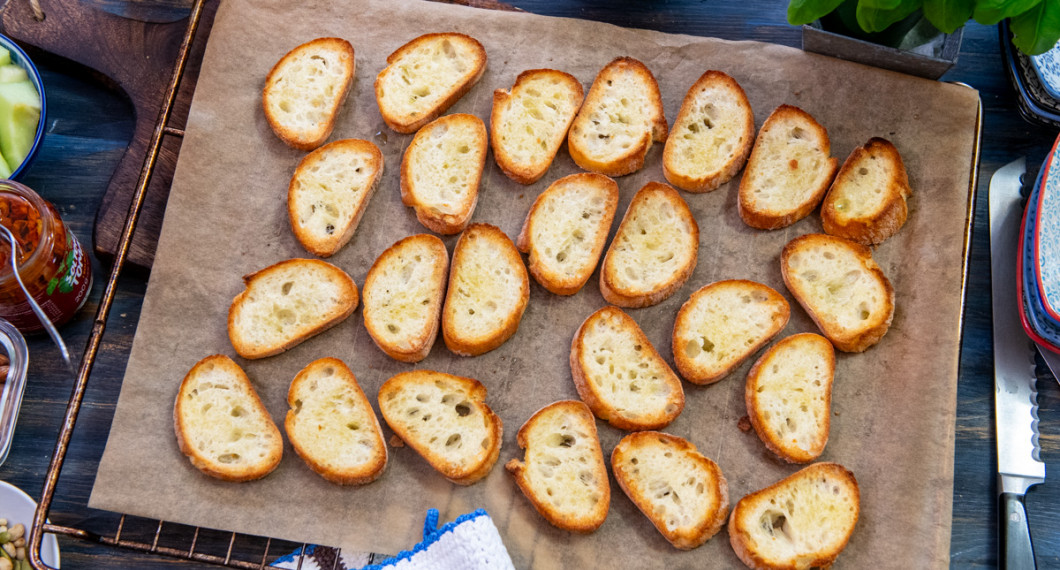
(22,108)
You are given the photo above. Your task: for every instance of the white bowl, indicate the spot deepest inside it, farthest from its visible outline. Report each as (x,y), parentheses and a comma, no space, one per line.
(18,507)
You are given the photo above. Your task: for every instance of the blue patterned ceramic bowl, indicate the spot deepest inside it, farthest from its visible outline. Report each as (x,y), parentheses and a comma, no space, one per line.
(1047,68)
(19,58)
(1046,239)
(1036,321)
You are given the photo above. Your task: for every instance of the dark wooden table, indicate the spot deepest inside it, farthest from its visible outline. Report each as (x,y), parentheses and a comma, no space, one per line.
(89,126)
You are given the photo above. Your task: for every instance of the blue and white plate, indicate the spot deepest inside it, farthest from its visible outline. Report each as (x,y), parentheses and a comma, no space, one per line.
(1047,68)
(18,507)
(1035,320)
(1046,239)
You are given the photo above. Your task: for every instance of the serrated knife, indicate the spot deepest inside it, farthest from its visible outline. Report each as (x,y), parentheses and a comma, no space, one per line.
(1015,395)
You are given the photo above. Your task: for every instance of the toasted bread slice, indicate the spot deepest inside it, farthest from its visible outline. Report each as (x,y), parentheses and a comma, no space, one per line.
(329,192)
(621,377)
(712,135)
(803,521)
(841,287)
(446,420)
(564,475)
(425,77)
(221,424)
(681,491)
(403,294)
(867,201)
(722,324)
(529,123)
(487,294)
(789,170)
(566,230)
(789,396)
(331,425)
(654,251)
(620,118)
(287,303)
(304,90)
(441,171)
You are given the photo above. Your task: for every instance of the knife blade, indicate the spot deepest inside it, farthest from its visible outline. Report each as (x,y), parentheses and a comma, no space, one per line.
(1015,395)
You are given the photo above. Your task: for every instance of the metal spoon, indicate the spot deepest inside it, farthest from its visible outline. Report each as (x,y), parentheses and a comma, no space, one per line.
(48,326)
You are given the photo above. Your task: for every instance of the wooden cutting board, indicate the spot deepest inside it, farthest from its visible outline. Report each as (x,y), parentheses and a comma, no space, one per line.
(136,58)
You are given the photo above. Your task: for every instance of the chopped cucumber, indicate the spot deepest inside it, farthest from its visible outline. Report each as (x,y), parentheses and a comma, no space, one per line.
(12,74)
(5,56)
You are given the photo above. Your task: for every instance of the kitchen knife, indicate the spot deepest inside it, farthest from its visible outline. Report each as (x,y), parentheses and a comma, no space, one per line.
(1015,395)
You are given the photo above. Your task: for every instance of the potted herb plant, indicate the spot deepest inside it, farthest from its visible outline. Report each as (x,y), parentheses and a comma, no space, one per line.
(921,37)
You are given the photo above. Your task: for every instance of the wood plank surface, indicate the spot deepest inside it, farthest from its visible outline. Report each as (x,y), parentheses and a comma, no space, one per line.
(89,127)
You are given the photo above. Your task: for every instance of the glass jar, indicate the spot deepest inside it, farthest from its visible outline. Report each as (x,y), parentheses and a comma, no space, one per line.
(52,264)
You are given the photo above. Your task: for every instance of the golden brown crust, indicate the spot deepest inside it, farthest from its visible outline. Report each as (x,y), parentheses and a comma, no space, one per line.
(740,529)
(551,280)
(872,332)
(790,452)
(359,475)
(710,523)
(686,365)
(213,468)
(292,137)
(408,125)
(587,522)
(588,391)
(768,219)
(459,341)
(445,224)
(528,174)
(610,288)
(327,248)
(423,342)
(876,227)
(633,159)
(476,392)
(350,296)
(707,183)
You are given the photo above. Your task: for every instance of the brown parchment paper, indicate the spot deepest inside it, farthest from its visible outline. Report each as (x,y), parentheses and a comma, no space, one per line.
(893,405)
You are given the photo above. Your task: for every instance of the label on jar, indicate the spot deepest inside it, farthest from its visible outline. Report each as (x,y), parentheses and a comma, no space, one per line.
(63,295)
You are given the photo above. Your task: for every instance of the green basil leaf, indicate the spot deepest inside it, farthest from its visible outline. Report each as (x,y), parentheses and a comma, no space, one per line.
(948,15)
(1038,29)
(805,11)
(990,12)
(878,15)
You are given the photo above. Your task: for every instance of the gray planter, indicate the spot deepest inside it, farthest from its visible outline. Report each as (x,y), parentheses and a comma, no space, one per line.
(931,59)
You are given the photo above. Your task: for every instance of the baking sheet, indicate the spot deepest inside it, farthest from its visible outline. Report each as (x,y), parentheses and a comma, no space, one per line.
(893,406)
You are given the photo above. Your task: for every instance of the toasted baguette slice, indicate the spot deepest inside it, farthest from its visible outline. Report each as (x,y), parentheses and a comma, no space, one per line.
(789,170)
(803,521)
(403,294)
(304,90)
(331,425)
(221,424)
(446,420)
(329,192)
(564,475)
(841,287)
(621,377)
(441,171)
(487,294)
(712,135)
(789,396)
(529,123)
(654,251)
(867,201)
(287,303)
(566,230)
(425,77)
(681,491)
(620,118)
(722,324)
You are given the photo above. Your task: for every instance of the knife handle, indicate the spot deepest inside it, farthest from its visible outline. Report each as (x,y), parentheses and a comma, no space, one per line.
(1015,550)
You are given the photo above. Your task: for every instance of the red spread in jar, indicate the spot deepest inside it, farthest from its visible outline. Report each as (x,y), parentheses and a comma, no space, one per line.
(52,264)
